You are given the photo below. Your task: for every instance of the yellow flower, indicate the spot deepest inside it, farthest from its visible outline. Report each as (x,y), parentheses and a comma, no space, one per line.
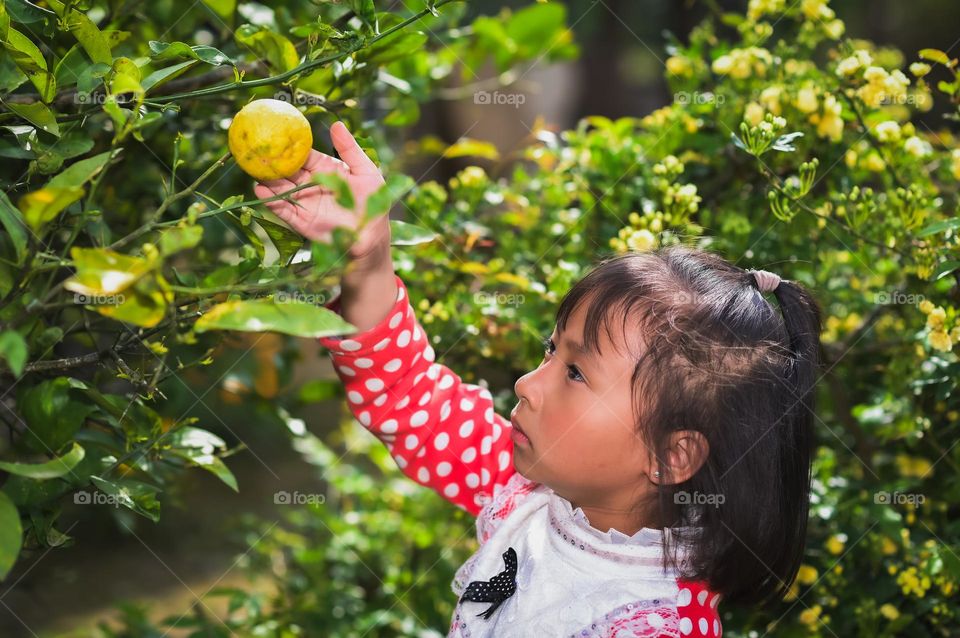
(753,114)
(920,69)
(835,544)
(926,306)
(834,29)
(888,547)
(807,100)
(850,158)
(809,616)
(917,147)
(816,9)
(792,593)
(912,466)
(888,131)
(807,575)
(679,66)
(955,156)
(883,87)
(829,123)
(940,340)
(756,9)
(874,163)
(770,98)
(889,611)
(849,66)
(641,240)
(936,317)
(743,63)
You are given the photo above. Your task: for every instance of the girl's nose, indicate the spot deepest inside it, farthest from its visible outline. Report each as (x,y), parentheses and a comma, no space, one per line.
(526,389)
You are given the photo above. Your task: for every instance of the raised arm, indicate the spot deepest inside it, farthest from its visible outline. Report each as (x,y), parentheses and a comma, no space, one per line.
(442,432)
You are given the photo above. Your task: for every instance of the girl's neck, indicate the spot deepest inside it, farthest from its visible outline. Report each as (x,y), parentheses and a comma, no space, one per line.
(627,522)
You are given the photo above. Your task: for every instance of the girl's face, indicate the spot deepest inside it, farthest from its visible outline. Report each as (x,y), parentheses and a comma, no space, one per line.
(575,426)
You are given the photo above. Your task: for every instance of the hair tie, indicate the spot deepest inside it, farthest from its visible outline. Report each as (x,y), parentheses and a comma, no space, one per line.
(766,280)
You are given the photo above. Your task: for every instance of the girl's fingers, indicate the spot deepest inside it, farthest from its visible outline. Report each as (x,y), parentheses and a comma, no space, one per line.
(321,161)
(350,151)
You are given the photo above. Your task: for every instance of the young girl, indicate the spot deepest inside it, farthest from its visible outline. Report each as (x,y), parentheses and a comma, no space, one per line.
(648,470)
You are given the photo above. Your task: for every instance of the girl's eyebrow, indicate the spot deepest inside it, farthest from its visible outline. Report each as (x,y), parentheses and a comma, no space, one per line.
(580,349)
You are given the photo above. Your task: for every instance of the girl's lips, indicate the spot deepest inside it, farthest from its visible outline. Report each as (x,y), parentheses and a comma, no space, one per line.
(517,433)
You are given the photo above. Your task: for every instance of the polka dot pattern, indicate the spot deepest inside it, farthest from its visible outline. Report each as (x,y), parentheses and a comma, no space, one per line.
(448,436)
(697,609)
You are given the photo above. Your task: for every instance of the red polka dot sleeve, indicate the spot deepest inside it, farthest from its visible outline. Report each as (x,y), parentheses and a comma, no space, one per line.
(442,432)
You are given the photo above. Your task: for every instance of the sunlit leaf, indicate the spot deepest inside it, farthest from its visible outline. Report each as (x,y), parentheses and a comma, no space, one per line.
(54,468)
(404,234)
(38,114)
(135,495)
(277,50)
(266,315)
(85,31)
(42,206)
(30,60)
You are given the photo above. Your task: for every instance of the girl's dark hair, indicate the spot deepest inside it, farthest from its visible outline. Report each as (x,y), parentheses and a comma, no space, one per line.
(719,359)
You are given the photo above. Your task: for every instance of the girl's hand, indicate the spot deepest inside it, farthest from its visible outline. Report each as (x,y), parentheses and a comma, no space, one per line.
(315,212)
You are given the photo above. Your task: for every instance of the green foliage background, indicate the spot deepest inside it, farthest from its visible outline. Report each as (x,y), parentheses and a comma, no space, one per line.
(789,145)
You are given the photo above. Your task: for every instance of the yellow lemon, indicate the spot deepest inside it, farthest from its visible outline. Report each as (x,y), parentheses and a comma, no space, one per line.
(270,139)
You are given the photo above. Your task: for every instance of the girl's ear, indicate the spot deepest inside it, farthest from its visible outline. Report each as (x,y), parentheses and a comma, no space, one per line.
(687,452)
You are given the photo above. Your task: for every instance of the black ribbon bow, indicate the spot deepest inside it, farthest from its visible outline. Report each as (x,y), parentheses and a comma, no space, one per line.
(497,589)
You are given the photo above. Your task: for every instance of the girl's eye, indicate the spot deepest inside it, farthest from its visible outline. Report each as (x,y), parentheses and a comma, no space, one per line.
(572,372)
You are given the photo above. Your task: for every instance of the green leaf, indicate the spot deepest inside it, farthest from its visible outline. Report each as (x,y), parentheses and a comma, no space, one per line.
(52,414)
(26,12)
(944,269)
(381,200)
(143,304)
(466,146)
(166,74)
(168,50)
(286,241)
(79,173)
(223,8)
(124,77)
(200,447)
(50,469)
(139,497)
(101,271)
(277,50)
(13,348)
(85,31)
(939,227)
(265,315)
(177,238)
(404,234)
(30,60)
(11,535)
(42,206)
(15,225)
(38,114)
(935,55)
(395,47)
(336,183)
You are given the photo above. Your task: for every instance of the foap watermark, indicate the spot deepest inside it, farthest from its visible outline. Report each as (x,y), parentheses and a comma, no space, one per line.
(98,299)
(898,498)
(300,98)
(698,97)
(82,497)
(298,498)
(498,298)
(499,98)
(698,498)
(887,298)
(283,296)
(100,98)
